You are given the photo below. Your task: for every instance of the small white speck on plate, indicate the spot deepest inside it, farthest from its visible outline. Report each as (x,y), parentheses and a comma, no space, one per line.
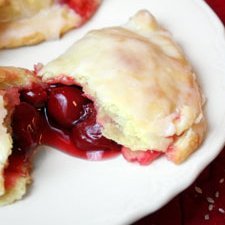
(206,216)
(210,200)
(210,208)
(221,180)
(217,194)
(198,190)
(221,210)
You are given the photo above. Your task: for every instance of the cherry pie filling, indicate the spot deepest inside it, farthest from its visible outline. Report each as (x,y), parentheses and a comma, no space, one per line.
(61,117)
(84,8)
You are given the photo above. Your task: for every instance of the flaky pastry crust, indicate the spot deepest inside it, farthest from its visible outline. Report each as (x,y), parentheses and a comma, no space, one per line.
(146,95)
(28,22)
(11,80)
(144,88)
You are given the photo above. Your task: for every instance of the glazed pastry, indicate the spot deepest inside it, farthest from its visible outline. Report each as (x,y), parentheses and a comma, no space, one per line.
(27,22)
(122,89)
(145,92)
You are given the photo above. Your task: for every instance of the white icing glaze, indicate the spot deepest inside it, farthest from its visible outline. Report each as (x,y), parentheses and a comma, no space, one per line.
(48,23)
(139,80)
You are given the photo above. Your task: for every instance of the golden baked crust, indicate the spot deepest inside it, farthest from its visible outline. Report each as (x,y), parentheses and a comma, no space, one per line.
(28,22)
(27,31)
(16,192)
(145,91)
(6,143)
(11,10)
(11,79)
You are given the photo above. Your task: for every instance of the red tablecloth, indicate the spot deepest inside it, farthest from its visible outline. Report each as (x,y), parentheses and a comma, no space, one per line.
(203,203)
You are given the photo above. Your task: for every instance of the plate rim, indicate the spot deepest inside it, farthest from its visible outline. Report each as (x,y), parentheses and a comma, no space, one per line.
(136,215)
(217,23)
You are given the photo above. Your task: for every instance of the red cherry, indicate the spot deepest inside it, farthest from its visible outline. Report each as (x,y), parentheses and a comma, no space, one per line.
(26,125)
(36,96)
(65,105)
(87,134)
(141,157)
(84,8)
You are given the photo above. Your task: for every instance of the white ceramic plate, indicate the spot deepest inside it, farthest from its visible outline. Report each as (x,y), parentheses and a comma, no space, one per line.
(72,191)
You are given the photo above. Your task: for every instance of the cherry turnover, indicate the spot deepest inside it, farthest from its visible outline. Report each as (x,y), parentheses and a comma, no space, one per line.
(61,117)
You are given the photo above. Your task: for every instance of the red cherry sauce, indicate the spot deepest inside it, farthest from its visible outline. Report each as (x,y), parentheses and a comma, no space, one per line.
(26,125)
(61,117)
(66,111)
(85,8)
(18,166)
(37,96)
(143,158)
(65,105)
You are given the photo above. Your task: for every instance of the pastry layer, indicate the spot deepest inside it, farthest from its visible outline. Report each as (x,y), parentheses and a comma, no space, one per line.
(145,91)
(48,23)
(11,79)
(11,10)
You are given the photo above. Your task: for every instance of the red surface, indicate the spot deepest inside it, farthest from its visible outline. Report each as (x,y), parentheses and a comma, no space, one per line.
(203,203)
(85,8)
